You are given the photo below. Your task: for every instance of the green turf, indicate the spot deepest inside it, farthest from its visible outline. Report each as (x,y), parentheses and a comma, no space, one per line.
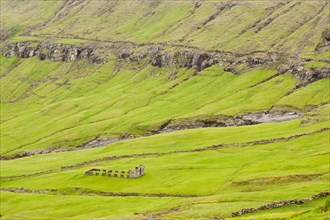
(47,106)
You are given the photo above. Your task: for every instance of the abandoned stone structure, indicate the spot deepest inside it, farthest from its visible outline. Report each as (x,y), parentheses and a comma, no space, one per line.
(132,174)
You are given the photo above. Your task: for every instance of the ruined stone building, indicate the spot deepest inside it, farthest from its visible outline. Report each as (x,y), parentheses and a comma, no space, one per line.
(132,174)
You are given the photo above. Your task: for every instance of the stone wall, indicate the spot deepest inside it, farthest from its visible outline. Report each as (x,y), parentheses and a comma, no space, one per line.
(274,205)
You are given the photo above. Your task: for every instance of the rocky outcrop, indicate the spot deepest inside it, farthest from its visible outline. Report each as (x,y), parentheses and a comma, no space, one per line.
(156,54)
(324,44)
(275,116)
(191,123)
(55,52)
(302,73)
(228,121)
(203,59)
(159,55)
(310,75)
(187,58)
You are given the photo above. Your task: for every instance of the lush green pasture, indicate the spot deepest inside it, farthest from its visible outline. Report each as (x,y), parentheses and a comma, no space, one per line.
(173,173)
(200,173)
(315,210)
(72,103)
(164,143)
(32,206)
(230,178)
(24,206)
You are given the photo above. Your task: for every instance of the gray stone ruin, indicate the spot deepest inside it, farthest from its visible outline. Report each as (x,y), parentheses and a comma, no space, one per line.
(132,174)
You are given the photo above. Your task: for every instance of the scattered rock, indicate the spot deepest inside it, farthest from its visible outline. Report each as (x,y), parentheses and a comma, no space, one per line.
(324,44)
(302,73)
(198,4)
(277,116)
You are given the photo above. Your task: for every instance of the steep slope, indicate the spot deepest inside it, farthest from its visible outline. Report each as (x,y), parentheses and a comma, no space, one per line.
(225,103)
(287,26)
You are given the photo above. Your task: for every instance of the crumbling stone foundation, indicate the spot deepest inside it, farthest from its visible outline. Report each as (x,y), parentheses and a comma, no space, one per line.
(132,174)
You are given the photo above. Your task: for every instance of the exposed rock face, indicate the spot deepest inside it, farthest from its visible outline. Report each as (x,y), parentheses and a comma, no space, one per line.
(160,56)
(203,59)
(228,121)
(304,74)
(310,75)
(324,44)
(265,117)
(190,58)
(190,123)
(54,52)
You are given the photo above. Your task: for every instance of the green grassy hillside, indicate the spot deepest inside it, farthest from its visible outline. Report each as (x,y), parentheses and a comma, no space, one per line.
(240,26)
(248,131)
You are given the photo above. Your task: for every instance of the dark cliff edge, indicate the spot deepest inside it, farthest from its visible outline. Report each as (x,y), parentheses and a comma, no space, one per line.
(160,55)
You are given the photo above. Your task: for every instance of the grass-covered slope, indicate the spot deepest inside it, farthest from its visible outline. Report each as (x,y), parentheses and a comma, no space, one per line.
(241,26)
(195,173)
(246,137)
(239,174)
(69,104)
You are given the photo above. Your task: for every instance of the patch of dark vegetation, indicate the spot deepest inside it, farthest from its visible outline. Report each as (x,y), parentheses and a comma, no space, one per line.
(197,5)
(155,3)
(60,13)
(278,43)
(3,74)
(264,24)
(221,7)
(269,10)
(108,8)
